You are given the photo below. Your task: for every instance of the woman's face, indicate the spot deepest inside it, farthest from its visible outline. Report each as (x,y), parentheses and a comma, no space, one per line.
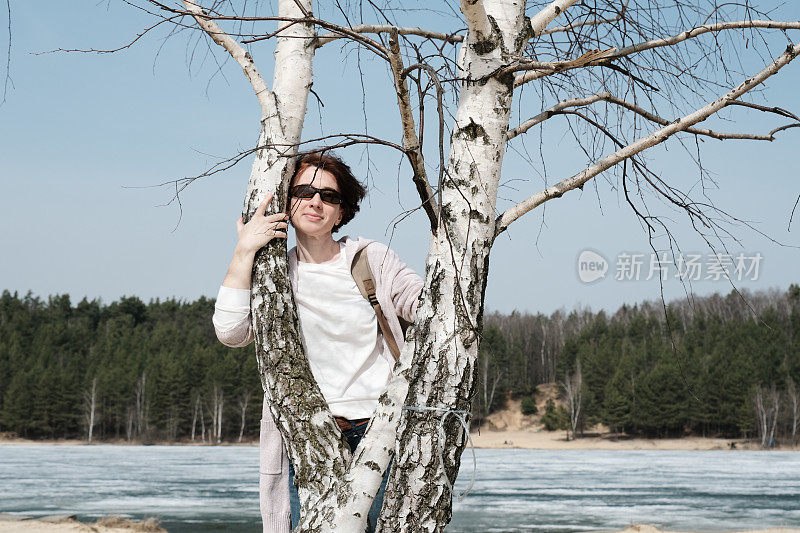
(311,216)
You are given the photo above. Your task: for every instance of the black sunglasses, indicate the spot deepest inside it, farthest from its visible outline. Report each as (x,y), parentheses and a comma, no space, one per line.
(329,196)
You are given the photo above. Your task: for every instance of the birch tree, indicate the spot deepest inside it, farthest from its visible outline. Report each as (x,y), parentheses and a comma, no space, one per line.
(767,406)
(573,396)
(244,399)
(628,75)
(793,403)
(216,407)
(139,412)
(90,408)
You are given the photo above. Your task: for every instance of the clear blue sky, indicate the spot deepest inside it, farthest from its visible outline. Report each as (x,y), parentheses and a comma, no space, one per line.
(80,133)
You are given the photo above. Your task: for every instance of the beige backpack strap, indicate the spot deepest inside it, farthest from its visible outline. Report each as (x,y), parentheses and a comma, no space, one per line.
(362,274)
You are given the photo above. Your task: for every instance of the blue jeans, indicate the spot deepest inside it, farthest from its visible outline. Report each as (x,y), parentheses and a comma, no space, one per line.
(353,436)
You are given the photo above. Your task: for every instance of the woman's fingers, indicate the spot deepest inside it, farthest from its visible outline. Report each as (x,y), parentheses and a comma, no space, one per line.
(262,228)
(275,217)
(262,207)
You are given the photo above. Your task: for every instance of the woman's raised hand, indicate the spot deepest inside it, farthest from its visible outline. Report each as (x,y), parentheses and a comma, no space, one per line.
(261,228)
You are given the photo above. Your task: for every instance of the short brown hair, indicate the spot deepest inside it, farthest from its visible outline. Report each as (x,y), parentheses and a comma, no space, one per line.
(350,188)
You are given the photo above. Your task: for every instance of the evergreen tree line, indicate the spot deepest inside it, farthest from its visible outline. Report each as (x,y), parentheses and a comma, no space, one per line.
(720,365)
(128,370)
(715,366)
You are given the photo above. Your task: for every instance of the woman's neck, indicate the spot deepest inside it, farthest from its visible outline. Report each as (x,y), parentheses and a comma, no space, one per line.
(316,249)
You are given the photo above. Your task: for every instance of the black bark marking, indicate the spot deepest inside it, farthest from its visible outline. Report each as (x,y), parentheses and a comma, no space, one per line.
(472,131)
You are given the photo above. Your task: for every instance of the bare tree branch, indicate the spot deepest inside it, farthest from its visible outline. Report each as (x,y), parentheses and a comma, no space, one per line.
(239,54)
(649,141)
(594,22)
(477,21)
(8,58)
(540,69)
(119,48)
(285,150)
(386,28)
(544,17)
(544,115)
(607,97)
(342,31)
(410,140)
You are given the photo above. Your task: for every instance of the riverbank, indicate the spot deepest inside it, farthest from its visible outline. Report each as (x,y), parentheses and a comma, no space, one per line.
(505,429)
(508,429)
(118,525)
(639,528)
(557,440)
(529,439)
(69,524)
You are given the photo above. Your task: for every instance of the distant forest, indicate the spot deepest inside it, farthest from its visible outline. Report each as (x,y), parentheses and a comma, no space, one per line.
(714,366)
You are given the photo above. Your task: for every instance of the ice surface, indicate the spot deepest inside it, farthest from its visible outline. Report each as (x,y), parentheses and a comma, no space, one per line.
(194,488)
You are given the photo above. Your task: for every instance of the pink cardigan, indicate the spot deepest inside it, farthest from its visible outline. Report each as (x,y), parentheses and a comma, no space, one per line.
(397,289)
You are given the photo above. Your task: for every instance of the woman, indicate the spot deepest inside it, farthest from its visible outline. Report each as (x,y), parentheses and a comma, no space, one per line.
(348,356)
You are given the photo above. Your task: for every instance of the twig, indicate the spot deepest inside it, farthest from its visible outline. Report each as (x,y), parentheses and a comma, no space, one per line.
(540,69)
(111,50)
(651,140)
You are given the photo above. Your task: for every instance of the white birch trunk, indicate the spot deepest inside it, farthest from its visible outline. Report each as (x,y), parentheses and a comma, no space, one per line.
(766,414)
(776,403)
(90,404)
(217,404)
(194,415)
(140,406)
(794,406)
(129,426)
(449,318)
(213,409)
(572,391)
(243,401)
(202,421)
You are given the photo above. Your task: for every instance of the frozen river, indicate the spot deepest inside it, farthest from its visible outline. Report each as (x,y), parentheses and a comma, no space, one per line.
(203,489)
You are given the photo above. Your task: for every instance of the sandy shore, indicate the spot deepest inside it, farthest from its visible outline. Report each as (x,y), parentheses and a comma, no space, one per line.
(557,440)
(110,524)
(71,526)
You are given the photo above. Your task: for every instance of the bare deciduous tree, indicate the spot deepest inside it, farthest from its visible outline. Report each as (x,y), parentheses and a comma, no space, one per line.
(244,399)
(573,396)
(629,74)
(198,411)
(793,397)
(767,406)
(217,404)
(139,412)
(90,408)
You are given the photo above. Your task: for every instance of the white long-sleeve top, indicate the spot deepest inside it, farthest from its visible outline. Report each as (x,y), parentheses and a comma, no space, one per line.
(339,331)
